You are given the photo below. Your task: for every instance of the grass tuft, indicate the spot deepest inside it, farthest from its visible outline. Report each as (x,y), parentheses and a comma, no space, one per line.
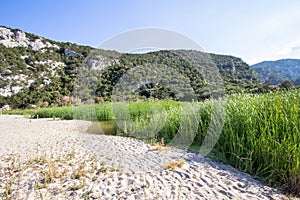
(175,164)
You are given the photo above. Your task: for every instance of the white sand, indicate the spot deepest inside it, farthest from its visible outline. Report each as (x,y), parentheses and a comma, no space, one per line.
(108,167)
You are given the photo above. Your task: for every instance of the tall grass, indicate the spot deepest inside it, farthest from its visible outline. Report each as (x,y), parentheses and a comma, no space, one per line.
(261,136)
(19,112)
(261,133)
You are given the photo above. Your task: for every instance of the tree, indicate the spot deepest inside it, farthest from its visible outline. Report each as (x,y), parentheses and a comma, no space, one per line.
(287,84)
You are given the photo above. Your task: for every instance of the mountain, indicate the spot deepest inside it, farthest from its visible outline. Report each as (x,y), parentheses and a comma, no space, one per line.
(278,71)
(38,71)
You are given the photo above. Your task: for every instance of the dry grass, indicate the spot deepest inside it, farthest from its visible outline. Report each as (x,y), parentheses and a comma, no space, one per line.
(158,146)
(175,164)
(50,173)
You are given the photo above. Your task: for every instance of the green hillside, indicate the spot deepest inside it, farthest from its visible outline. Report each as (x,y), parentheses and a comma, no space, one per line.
(42,72)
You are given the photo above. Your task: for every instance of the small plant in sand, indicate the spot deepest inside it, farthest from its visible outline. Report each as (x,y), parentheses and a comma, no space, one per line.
(103,169)
(92,164)
(175,164)
(86,194)
(41,160)
(12,173)
(81,171)
(114,169)
(158,146)
(40,185)
(71,155)
(8,189)
(77,186)
(51,173)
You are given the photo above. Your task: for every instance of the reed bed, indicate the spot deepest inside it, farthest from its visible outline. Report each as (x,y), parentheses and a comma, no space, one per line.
(260,134)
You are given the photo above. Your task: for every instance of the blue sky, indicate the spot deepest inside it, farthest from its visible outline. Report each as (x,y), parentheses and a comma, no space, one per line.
(253,30)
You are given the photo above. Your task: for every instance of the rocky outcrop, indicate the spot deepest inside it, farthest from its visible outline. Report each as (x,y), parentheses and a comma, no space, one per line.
(17,38)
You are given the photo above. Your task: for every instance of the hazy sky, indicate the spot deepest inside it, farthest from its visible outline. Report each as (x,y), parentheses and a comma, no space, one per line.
(254,30)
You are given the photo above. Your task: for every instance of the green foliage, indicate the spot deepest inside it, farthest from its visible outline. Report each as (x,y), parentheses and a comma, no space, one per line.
(44,84)
(287,84)
(199,69)
(261,136)
(261,133)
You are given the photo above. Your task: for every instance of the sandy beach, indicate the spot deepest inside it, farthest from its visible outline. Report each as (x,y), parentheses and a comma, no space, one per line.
(56,159)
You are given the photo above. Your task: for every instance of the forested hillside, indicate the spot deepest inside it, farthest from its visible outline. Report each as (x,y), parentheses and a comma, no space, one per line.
(41,72)
(276,72)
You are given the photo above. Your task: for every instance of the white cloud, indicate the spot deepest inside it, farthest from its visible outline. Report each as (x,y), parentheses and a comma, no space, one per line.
(290,50)
(275,37)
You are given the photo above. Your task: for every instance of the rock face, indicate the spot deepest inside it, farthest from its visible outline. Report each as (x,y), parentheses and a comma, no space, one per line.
(17,83)
(70,53)
(29,62)
(33,64)
(17,38)
(100,62)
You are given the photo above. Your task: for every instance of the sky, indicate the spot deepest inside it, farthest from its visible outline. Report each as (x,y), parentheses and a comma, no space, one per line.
(255,30)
